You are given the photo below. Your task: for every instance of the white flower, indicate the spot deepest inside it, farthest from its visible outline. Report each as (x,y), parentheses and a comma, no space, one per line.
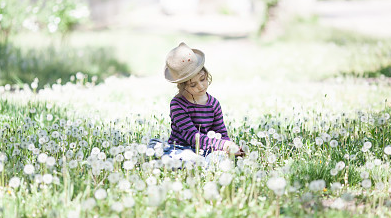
(387,150)
(369,165)
(364,175)
(317,185)
(100,194)
(187,194)
(150,152)
(271,131)
(211,134)
(14,182)
(253,155)
(367,145)
(28,169)
(42,158)
(296,129)
(318,141)
(88,204)
(47,178)
(336,186)
(124,185)
(210,191)
(297,142)
(141,148)
(72,164)
(49,117)
(95,151)
(366,183)
(128,165)
(114,177)
(225,179)
(333,143)
(377,162)
(333,172)
(271,158)
(128,202)
(225,165)
(380,186)
(338,204)
(117,207)
(177,186)
(276,183)
(340,165)
(218,136)
(151,180)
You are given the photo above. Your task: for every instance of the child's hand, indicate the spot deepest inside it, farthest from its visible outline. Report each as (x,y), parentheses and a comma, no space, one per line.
(232,148)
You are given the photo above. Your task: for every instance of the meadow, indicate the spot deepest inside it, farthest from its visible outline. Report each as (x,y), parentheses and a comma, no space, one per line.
(317,142)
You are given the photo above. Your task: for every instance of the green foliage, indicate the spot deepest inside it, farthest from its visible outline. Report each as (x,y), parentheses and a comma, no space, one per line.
(60,16)
(50,64)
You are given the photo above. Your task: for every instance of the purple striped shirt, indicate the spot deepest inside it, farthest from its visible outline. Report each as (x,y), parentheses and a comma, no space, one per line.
(187,119)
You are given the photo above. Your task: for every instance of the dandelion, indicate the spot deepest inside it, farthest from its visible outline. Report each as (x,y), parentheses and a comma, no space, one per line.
(387,150)
(253,156)
(271,131)
(151,181)
(72,164)
(150,152)
(338,204)
(333,143)
(128,202)
(364,175)
(369,165)
(367,145)
(271,158)
(318,141)
(377,162)
(277,184)
(88,204)
(297,142)
(95,151)
(218,136)
(366,183)
(47,178)
(117,207)
(333,172)
(340,166)
(49,117)
(261,134)
(42,158)
(336,186)
(124,185)
(114,177)
(28,169)
(210,191)
(141,148)
(187,194)
(380,186)
(14,182)
(101,156)
(317,185)
(177,186)
(100,194)
(296,129)
(225,179)
(211,134)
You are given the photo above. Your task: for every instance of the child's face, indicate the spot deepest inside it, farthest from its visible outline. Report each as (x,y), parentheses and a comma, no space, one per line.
(198,85)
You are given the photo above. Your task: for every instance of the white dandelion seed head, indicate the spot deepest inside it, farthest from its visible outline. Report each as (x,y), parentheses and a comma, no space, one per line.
(187,194)
(377,162)
(211,134)
(340,166)
(128,202)
(42,158)
(117,207)
(210,191)
(297,142)
(369,165)
(271,158)
(47,178)
(338,204)
(333,143)
(218,136)
(124,185)
(336,186)
(28,169)
(88,204)
(14,182)
(318,141)
(95,151)
(100,194)
(366,183)
(367,145)
(151,180)
(141,148)
(317,185)
(225,179)
(387,150)
(150,152)
(379,186)
(364,175)
(333,172)
(253,155)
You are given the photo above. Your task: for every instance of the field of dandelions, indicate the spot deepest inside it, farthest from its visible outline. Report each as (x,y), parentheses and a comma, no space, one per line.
(79,150)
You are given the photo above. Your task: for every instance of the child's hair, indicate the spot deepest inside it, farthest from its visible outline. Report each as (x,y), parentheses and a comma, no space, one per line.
(182,86)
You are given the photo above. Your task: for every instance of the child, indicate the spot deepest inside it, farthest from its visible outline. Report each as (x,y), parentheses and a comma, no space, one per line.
(193,110)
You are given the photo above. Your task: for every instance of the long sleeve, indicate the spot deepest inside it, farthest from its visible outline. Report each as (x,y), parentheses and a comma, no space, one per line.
(218,122)
(186,129)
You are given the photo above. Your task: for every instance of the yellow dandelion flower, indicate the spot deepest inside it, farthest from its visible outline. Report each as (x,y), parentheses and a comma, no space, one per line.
(325,190)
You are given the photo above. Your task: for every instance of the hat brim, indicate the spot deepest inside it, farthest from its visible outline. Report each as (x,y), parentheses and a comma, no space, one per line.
(200,64)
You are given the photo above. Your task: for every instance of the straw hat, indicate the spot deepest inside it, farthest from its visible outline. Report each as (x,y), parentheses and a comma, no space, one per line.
(183,63)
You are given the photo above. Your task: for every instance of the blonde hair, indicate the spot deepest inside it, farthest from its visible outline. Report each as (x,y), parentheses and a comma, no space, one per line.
(182,86)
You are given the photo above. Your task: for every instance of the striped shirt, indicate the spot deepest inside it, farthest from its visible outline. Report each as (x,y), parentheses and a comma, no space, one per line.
(188,118)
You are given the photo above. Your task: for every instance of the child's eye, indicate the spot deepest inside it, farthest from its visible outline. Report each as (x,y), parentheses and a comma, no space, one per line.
(203,79)
(193,85)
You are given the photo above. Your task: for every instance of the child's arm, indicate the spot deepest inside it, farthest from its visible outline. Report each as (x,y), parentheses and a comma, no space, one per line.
(181,119)
(218,122)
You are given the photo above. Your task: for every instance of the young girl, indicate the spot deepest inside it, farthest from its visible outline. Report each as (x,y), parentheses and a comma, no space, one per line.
(193,110)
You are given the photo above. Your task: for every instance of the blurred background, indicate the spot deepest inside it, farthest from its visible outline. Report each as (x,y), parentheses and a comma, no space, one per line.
(275,45)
